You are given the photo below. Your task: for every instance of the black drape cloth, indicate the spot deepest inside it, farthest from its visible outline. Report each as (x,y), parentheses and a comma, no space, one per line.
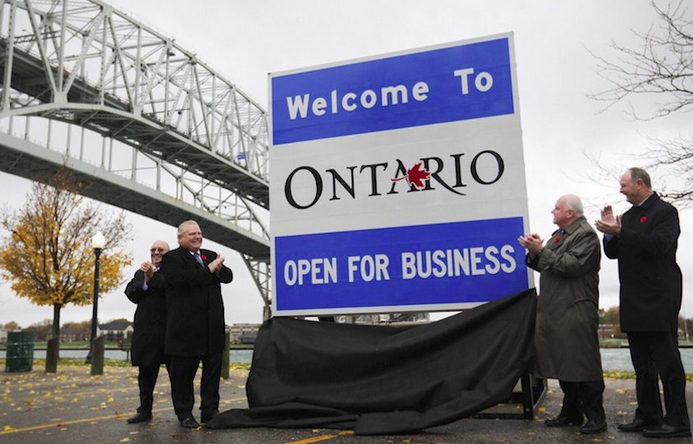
(383,379)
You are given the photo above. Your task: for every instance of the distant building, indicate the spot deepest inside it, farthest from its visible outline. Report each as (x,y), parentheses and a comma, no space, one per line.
(385,318)
(3,335)
(117,330)
(244,333)
(247,338)
(74,334)
(610,331)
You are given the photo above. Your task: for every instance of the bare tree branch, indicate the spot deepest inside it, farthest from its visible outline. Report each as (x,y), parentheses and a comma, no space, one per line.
(661,66)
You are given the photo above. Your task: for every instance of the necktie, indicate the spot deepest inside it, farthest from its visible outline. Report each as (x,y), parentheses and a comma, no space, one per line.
(198,258)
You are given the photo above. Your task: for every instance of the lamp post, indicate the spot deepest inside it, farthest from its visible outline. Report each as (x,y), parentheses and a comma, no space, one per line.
(97,243)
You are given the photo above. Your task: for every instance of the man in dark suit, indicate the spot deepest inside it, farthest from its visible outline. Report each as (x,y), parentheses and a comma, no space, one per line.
(146,290)
(644,240)
(195,326)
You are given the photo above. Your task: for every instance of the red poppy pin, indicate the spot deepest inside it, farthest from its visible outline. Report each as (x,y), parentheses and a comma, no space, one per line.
(643,219)
(556,239)
(204,258)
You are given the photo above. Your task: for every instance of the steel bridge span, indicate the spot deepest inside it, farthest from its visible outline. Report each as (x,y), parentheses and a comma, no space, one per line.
(150,127)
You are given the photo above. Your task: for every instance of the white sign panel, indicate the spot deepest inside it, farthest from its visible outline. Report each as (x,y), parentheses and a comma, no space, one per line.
(398,182)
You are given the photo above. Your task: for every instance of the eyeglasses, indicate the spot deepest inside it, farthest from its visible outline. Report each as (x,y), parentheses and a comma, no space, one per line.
(154,250)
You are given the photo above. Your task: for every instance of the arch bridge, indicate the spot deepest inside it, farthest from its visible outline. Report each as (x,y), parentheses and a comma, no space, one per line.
(146,124)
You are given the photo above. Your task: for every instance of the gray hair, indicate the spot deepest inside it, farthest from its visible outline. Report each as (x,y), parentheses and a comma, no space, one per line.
(640,174)
(182,228)
(573,203)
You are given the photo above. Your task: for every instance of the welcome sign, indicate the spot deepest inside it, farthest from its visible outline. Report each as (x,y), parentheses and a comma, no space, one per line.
(397,182)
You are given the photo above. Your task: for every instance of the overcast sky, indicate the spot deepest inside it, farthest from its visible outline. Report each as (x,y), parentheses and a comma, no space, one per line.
(245,40)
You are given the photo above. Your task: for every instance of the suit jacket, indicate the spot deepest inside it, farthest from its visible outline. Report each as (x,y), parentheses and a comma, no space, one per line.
(568,306)
(150,319)
(195,310)
(651,280)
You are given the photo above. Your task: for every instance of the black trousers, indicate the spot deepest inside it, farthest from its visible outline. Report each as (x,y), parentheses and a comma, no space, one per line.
(146,380)
(182,371)
(583,398)
(656,354)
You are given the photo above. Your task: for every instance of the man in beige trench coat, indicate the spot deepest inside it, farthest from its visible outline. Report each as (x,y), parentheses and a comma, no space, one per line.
(566,339)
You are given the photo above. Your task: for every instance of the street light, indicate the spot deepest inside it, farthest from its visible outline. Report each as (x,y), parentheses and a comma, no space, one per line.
(97,243)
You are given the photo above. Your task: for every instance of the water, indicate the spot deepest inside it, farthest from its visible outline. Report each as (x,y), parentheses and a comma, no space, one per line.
(613,359)
(237,356)
(618,359)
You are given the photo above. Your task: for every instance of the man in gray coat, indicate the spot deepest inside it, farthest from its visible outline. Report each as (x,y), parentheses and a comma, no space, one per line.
(566,339)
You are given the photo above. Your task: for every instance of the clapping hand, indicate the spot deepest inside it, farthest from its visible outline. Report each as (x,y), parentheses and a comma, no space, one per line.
(532,242)
(609,224)
(608,215)
(148,270)
(216,264)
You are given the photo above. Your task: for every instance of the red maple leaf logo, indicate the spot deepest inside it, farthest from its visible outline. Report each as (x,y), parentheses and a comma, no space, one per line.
(415,176)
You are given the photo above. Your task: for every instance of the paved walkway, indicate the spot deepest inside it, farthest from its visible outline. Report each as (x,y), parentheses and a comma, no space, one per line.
(73,407)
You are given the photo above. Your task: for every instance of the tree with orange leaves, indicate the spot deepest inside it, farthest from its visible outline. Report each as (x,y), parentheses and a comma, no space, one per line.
(48,257)
(11,326)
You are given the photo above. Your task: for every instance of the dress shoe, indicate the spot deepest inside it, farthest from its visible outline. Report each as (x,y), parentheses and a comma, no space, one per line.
(593,427)
(140,417)
(563,421)
(636,425)
(207,416)
(667,431)
(189,422)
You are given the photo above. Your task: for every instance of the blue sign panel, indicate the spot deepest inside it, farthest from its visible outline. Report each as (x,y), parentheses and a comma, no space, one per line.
(398,182)
(449,263)
(463,82)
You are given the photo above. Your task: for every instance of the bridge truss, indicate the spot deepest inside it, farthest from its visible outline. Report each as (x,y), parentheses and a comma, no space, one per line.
(148,125)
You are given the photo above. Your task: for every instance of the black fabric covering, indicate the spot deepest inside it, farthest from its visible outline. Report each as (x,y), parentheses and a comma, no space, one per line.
(384,380)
